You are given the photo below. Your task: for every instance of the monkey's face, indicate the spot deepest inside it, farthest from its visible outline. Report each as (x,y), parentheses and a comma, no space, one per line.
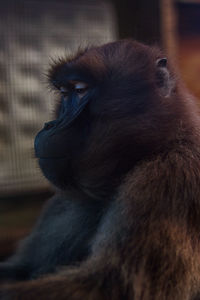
(105,119)
(61,139)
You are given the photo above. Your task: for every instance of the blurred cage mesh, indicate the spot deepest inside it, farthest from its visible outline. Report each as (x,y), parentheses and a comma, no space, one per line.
(30,33)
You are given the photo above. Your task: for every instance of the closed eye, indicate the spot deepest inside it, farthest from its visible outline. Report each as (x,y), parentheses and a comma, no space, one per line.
(64,91)
(81,88)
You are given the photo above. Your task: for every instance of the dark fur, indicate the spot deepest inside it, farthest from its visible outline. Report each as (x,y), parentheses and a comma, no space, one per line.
(126,222)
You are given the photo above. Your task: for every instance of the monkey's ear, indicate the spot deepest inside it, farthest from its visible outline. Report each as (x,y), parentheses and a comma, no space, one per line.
(164,80)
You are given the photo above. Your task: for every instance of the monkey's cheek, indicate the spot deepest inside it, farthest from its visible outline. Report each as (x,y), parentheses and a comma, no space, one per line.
(56,170)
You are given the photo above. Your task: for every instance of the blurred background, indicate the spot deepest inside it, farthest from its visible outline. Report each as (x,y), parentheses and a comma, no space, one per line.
(33,31)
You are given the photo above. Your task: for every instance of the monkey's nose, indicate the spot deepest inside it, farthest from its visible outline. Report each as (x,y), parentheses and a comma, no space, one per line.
(49,125)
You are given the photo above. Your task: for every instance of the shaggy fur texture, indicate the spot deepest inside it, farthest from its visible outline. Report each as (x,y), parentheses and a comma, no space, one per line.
(126,222)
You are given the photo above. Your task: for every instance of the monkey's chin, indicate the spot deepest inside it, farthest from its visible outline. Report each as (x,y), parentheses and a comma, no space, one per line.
(56,171)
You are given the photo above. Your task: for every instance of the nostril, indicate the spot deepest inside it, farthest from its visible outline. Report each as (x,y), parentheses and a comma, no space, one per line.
(48,126)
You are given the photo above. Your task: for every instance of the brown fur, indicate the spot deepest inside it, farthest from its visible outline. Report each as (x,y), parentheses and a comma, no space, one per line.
(149,247)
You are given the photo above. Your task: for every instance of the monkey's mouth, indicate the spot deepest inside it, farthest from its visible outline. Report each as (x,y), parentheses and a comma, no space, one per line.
(53,165)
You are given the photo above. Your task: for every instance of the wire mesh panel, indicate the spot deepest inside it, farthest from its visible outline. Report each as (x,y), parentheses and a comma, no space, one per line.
(30,33)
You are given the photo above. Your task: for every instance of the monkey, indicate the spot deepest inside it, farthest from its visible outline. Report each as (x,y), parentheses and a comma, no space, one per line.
(123,153)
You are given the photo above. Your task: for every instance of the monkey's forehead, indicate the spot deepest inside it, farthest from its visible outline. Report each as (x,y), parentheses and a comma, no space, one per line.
(88,64)
(92,64)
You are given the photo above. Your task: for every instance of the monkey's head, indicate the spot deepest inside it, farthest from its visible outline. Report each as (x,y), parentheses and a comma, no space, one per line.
(116,107)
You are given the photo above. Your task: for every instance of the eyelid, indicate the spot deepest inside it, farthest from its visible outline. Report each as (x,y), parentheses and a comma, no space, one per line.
(80,85)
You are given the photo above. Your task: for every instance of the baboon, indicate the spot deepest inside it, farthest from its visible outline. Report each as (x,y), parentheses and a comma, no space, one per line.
(124,154)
